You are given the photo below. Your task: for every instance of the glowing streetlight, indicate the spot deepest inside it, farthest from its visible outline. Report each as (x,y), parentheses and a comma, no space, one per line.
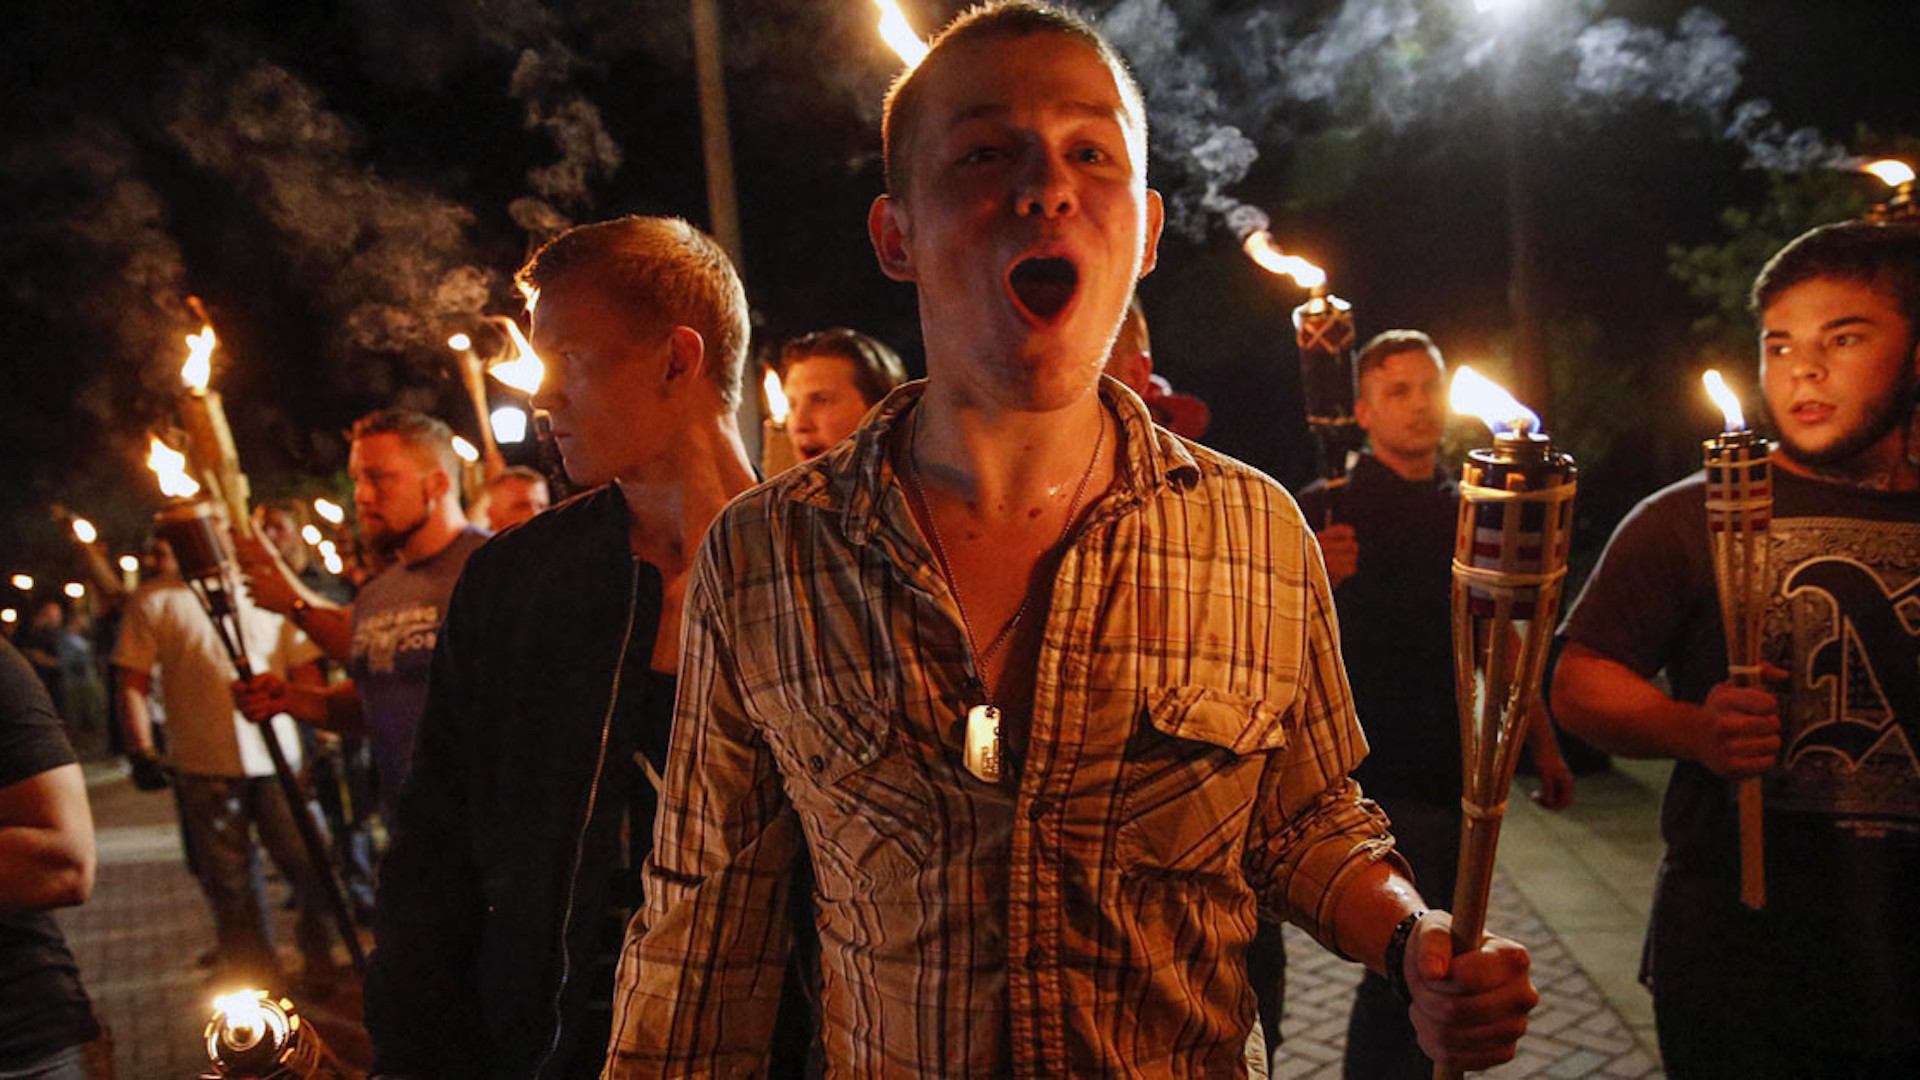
(329,511)
(509,424)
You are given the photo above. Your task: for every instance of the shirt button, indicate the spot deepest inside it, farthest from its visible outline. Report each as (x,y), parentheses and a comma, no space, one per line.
(815,763)
(865,756)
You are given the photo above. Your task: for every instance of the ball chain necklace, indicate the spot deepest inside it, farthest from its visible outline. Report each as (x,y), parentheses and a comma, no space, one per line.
(982,757)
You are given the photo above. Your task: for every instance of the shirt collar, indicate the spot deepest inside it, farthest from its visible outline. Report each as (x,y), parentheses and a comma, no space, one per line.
(853,479)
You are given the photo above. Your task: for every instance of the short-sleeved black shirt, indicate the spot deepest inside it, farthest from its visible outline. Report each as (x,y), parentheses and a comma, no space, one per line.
(1836,953)
(42,1006)
(1396,631)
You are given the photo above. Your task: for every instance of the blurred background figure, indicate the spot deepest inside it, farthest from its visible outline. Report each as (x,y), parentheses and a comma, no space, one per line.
(48,1030)
(515,495)
(831,378)
(230,802)
(1131,361)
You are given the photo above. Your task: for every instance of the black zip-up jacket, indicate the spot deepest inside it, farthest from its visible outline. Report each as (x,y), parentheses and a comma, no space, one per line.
(510,820)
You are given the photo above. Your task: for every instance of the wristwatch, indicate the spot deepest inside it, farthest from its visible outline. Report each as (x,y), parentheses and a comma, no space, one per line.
(1396,958)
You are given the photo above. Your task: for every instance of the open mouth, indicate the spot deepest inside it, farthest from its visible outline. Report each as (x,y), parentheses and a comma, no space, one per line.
(1043,286)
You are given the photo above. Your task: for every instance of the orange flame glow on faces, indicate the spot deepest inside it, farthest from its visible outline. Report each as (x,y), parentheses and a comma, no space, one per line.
(1476,395)
(1259,247)
(1724,397)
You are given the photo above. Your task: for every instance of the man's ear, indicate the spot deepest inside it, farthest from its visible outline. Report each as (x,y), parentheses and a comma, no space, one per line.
(438,484)
(887,227)
(686,353)
(1363,412)
(1150,239)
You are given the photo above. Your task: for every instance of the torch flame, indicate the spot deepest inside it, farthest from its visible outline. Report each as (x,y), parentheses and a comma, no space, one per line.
(330,511)
(1476,395)
(198,370)
(242,1013)
(84,531)
(23,582)
(9,615)
(1892,171)
(130,563)
(459,342)
(899,35)
(525,371)
(170,466)
(74,590)
(1723,396)
(311,534)
(776,397)
(1259,245)
(465,450)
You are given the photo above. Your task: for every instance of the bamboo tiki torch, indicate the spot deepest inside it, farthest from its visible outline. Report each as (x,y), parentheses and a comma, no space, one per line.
(1509,565)
(187,524)
(1323,330)
(1739,511)
(209,440)
(473,378)
(1900,205)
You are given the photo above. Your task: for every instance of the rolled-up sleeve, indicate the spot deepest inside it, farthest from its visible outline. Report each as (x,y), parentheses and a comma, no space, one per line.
(1313,834)
(700,975)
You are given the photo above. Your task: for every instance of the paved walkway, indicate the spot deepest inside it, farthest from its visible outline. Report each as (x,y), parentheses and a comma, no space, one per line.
(1574,887)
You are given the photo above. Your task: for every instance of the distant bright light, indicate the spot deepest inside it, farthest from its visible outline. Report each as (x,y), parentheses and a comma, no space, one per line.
(329,511)
(1892,171)
(459,343)
(9,615)
(23,582)
(130,563)
(776,397)
(509,424)
(465,450)
(311,534)
(327,547)
(84,531)
(74,590)
(333,563)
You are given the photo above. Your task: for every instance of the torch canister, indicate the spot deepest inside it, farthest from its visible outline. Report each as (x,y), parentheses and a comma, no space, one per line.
(256,1037)
(1324,331)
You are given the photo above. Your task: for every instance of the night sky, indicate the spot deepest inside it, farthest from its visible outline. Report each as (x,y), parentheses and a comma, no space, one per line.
(344,184)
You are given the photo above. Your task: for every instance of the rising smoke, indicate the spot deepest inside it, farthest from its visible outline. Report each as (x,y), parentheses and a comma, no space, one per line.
(1221,86)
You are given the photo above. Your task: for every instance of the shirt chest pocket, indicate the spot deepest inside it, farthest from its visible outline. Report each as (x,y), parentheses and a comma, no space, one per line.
(1192,773)
(861,793)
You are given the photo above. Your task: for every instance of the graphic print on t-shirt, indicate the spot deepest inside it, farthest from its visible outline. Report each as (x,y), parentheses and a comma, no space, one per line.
(1851,719)
(383,635)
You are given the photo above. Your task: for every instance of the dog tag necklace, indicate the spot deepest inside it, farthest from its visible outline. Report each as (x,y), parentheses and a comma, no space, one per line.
(982,755)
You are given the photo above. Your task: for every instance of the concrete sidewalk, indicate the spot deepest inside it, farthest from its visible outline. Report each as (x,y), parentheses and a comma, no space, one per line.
(1574,887)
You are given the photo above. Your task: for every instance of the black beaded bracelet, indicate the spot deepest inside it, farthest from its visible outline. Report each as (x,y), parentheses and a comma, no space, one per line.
(1396,958)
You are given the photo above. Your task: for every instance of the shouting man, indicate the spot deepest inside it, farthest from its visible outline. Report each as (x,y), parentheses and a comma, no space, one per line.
(1051,697)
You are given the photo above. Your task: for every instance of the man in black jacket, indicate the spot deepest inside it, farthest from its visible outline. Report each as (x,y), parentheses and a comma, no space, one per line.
(529,809)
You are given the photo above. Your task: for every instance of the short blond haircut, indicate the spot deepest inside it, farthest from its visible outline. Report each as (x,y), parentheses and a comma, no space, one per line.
(665,272)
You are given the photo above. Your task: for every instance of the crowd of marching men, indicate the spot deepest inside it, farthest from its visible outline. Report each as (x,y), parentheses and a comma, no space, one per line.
(998,735)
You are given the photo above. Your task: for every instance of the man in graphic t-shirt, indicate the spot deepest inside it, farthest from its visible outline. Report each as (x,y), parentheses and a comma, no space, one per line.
(406,493)
(1826,979)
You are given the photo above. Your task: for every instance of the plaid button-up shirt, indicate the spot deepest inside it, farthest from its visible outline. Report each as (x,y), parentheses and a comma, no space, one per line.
(1185,772)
